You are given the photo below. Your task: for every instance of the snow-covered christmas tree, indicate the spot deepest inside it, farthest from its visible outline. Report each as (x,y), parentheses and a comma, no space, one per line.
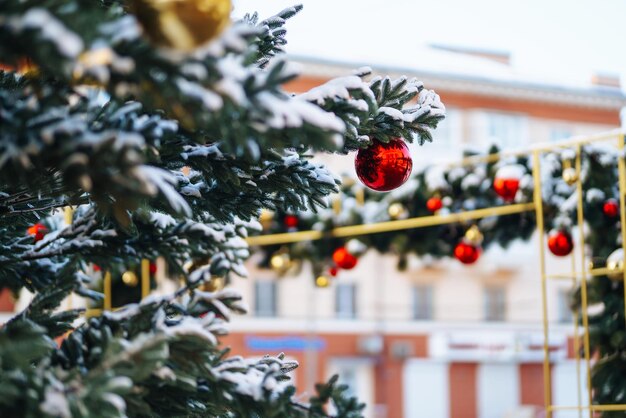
(164,127)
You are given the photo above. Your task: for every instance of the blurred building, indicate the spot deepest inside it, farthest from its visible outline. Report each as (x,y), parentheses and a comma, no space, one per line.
(440,339)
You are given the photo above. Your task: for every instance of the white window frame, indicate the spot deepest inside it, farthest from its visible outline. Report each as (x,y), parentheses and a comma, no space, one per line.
(495,310)
(345,300)
(264,289)
(422,305)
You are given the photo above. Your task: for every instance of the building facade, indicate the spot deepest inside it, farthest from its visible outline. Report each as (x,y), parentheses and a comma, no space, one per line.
(440,339)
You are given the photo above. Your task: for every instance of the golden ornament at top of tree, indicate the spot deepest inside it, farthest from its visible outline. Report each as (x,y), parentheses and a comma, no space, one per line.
(182,24)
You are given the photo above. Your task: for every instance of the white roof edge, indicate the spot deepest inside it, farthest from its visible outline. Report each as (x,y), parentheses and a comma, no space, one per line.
(585,98)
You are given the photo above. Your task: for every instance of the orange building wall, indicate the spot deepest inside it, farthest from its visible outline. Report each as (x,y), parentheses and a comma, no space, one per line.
(467,101)
(463,390)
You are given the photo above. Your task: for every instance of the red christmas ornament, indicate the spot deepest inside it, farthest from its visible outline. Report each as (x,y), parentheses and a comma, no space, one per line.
(383,167)
(333,271)
(153,268)
(466,253)
(291,221)
(434,204)
(344,259)
(38,231)
(560,243)
(506,188)
(506,182)
(610,208)
(96,268)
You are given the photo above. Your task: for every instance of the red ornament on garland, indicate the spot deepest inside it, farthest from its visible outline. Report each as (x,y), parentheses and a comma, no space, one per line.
(434,204)
(467,253)
(333,271)
(153,268)
(610,208)
(291,221)
(383,167)
(344,259)
(560,243)
(38,231)
(506,181)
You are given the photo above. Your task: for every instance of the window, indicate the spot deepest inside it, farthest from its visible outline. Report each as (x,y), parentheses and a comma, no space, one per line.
(422,302)
(565,314)
(265,298)
(495,303)
(560,134)
(345,300)
(505,131)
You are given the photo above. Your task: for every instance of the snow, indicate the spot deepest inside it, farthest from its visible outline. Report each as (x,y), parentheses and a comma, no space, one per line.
(594,195)
(394,114)
(162,220)
(67,42)
(336,88)
(512,171)
(190,326)
(161,180)
(210,100)
(434,178)
(295,112)
(55,403)
(470,181)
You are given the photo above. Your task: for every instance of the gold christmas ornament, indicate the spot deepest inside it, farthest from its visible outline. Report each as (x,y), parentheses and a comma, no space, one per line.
(569,173)
(216,284)
(396,211)
(473,235)
(322,281)
(280,261)
(266,219)
(182,24)
(130,278)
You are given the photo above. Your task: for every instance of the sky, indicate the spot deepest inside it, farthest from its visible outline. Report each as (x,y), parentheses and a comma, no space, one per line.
(560,38)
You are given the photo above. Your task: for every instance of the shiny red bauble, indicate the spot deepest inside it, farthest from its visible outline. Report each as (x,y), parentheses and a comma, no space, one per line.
(560,243)
(467,253)
(610,208)
(153,268)
(38,231)
(343,259)
(434,204)
(383,167)
(506,188)
(333,271)
(291,221)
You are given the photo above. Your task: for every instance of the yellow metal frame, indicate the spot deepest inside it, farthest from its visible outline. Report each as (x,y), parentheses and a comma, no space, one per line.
(578,276)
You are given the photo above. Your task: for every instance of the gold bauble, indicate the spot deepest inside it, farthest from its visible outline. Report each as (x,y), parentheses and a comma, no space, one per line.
(280,261)
(570,176)
(214,285)
(266,219)
(473,235)
(322,281)
(130,278)
(182,24)
(396,210)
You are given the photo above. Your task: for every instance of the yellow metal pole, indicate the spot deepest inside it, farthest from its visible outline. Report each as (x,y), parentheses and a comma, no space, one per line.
(579,395)
(621,166)
(399,225)
(583,287)
(145,278)
(538,203)
(107,291)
